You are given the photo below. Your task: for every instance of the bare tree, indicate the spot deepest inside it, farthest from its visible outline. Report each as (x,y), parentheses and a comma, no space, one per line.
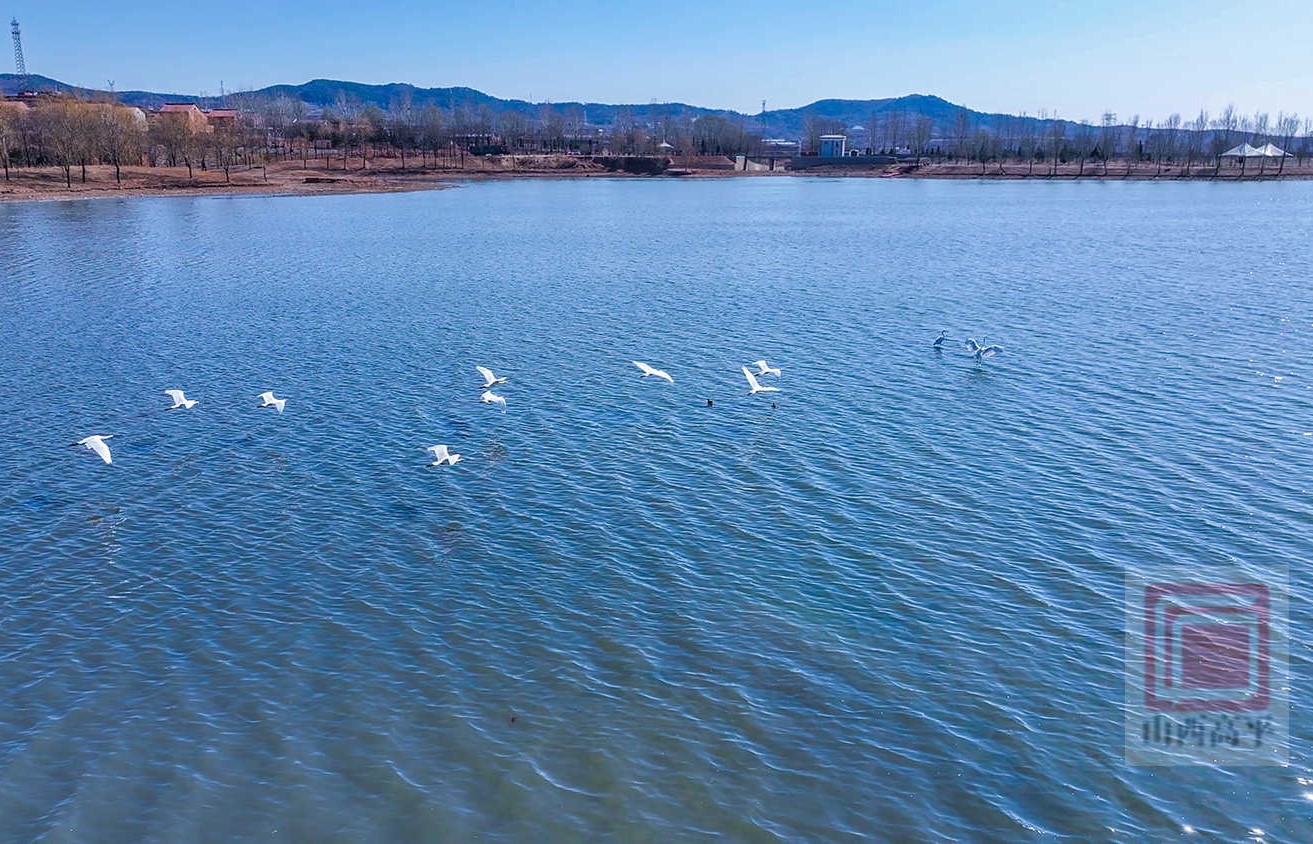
(226,142)
(63,133)
(1245,126)
(576,122)
(894,129)
(1132,144)
(122,135)
(1229,122)
(1168,130)
(86,143)
(1028,142)
(8,136)
(432,131)
(1107,138)
(1055,139)
(922,131)
(173,132)
(1261,126)
(628,135)
(981,149)
(1084,140)
(281,115)
(813,126)
(514,130)
(961,133)
(553,128)
(1196,132)
(1287,128)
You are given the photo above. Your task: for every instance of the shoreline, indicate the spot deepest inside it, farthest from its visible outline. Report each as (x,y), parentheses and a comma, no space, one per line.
(292,179)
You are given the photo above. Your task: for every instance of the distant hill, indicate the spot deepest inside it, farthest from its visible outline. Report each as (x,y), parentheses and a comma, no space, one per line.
(787,123)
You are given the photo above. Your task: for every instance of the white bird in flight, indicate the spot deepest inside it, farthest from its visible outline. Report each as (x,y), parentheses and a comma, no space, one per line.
(489,380)
(268,400)
(647,370)
(757,388)
(980,351)
(442,455)
(490,397)
(764,369)
(179,400)
(97,444)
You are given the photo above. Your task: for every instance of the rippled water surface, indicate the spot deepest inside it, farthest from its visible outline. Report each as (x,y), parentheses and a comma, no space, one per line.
(890,606)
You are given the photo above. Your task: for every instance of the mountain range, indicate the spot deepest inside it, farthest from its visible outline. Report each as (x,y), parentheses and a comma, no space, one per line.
(325,93)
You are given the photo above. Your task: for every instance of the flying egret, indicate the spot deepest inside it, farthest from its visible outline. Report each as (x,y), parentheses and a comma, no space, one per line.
(268,400)
(757,388)
(442,455)
(490,397)
(97,444)
(764,369)
(179,400)
(647,370)
(980,351)
(489,380)
(939,341)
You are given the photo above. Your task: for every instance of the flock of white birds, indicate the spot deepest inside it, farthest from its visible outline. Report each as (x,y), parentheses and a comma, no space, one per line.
(444,456)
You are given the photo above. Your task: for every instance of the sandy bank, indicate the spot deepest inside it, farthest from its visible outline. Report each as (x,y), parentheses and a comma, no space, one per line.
(291,178)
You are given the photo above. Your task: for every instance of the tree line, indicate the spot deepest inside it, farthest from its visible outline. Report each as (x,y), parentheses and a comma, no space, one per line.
(70,133)
(1046,142)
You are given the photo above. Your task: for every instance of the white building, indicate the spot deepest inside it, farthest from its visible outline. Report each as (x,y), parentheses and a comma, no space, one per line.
(833,146)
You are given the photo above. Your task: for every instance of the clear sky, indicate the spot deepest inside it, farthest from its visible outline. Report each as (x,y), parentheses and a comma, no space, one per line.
(1147,57)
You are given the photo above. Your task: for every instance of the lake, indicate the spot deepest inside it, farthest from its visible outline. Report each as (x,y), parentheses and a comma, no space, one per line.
(885,602)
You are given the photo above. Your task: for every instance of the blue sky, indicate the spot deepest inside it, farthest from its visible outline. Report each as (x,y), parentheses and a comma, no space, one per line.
(1075,59)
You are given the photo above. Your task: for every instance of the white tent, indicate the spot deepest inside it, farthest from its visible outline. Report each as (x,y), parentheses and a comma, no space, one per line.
(1246,151)
(1242,151)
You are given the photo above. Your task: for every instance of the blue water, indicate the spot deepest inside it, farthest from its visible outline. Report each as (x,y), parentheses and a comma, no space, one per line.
(889,607)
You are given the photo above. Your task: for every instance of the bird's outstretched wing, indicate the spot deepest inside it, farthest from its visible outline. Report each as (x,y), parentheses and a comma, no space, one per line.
(267,398)
(972,346)
(99,446)
(487,374)
(990,351)
(752,379)
(439,452)
(647,370)
(176,395)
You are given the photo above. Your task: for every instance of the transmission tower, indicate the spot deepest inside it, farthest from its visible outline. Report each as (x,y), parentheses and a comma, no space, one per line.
(19,64)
